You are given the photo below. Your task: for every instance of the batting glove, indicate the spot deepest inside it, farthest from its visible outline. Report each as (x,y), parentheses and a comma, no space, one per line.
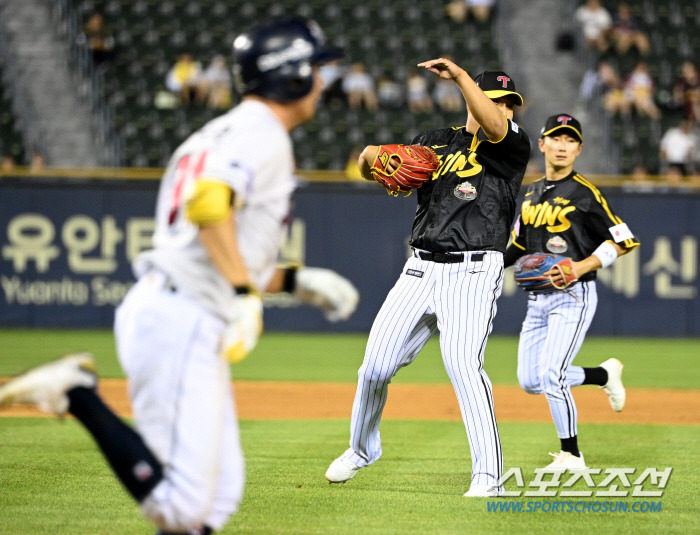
(325,289)
(244,329)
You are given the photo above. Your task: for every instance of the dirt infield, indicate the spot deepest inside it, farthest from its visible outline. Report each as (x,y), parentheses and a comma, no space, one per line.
(263,400)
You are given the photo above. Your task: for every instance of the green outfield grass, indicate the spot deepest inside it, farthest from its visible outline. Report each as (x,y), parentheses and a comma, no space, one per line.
(52,480)
(649,362)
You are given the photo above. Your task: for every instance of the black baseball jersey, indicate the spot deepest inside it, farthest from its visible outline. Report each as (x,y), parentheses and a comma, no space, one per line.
(569,217)
(470,203)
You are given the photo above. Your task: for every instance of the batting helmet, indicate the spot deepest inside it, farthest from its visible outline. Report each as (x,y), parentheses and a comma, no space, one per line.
(274,59)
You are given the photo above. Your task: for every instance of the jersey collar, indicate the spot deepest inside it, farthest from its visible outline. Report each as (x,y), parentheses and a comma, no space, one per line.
(570,176)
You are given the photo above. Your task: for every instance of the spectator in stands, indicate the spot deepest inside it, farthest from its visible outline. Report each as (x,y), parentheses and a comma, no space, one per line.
(596,24)
(639,181)
(606,83)
(184,79)
(216,84)
(98,39)
(389,93)
(686,92)
(419,100)
(332,77)
(37,164)
(479,9)
(358,85)
(678,148)
(674,176)
(639,90)
(627,32)
(7,164)
(447,94)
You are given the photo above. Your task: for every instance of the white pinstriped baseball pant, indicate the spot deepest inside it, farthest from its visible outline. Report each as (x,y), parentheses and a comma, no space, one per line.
(460,300)
(551,336)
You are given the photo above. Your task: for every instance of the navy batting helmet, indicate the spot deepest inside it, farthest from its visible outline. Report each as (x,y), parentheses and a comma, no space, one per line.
(274,59)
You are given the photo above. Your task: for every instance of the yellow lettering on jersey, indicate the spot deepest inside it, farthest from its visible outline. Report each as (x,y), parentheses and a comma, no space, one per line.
(563,222)
(529,193)
(448,162)
(545,213)
(436,173)
(476,167)
(560,200)
(459,163)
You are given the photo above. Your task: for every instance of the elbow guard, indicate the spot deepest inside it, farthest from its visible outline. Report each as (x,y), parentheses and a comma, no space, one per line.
(209,204)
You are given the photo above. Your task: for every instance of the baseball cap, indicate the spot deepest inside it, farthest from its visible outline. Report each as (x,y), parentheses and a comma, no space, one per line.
(563,121)
(498,84)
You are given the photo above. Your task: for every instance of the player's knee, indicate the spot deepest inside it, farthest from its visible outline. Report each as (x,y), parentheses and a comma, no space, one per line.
(531,384)
(375,375)
(552,382)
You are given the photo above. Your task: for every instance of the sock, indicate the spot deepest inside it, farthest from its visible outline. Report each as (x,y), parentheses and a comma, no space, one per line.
(595,376)
(570,445)
(132,461)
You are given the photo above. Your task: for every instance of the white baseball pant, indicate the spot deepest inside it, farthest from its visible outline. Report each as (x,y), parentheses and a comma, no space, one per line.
(183,406)
(552,333)
(459,299)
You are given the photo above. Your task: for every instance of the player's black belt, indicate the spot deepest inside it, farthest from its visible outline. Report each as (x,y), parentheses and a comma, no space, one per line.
(449,258)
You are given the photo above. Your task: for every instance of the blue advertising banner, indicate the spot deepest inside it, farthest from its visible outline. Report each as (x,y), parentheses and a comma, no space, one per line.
(66,248)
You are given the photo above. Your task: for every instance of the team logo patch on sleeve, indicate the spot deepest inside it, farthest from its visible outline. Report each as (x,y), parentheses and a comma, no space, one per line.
(414,273)
(621,233)
(465,191)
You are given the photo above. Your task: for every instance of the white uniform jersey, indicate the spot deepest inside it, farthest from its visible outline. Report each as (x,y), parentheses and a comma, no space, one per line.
(249,150)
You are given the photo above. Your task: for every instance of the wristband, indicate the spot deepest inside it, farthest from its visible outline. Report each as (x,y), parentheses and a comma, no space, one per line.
(290,280)
(607,253)
(242,290)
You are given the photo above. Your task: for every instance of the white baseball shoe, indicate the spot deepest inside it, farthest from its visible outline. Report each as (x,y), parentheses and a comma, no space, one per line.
(482,491)
(341,470)
(46,385)
(613,388)
(565,460)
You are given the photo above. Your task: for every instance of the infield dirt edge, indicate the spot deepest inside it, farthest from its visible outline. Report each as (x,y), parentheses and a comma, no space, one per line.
(274,400)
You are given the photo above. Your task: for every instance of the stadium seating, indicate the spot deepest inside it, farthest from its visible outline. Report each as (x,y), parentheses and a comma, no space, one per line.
(10,135)
(673,28)
(389,36)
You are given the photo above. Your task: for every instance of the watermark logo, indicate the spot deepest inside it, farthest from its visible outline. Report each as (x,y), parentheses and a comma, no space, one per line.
(613,482)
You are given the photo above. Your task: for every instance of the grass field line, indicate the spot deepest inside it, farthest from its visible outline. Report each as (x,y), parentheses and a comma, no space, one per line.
(277,400)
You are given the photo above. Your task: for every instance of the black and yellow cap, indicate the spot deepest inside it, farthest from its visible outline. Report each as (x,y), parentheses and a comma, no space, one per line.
(563,121)
(498,84)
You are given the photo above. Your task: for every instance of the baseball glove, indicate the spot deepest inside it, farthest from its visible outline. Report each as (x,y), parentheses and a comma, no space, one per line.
(403,168)
(531,269)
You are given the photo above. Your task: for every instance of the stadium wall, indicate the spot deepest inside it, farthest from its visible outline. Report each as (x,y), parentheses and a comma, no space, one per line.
(66,247)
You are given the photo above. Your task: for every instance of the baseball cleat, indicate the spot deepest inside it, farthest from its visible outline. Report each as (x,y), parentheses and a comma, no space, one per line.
(341,470)
(46,385)
(483,491)
(613,388)
(565,460)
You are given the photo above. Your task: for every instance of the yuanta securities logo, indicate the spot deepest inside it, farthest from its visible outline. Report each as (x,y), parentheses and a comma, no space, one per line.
(70,262)
(610,486)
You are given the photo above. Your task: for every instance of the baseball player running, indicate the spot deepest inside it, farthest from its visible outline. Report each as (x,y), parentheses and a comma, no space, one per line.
(222,210)
(565,214)
(452,280)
